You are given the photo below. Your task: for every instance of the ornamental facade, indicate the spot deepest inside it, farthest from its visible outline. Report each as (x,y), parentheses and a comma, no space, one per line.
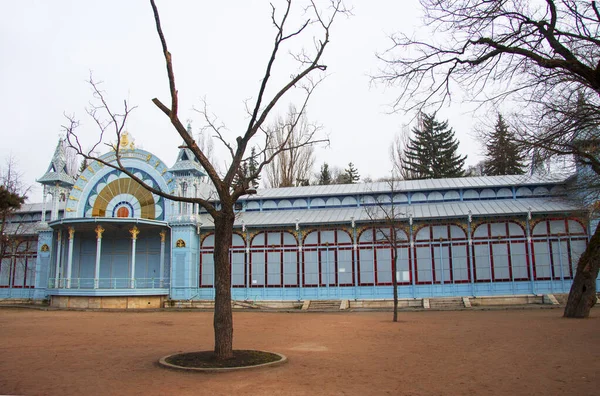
(103,241)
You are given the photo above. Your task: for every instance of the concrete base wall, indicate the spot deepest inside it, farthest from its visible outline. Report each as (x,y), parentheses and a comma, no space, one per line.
(402,303)
(210,304)
(488,301)
(108,302)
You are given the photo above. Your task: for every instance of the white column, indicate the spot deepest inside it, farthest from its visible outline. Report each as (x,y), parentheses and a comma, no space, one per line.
(54,213)
(99,230)
(70,257)
(163,237)
(57,271)
(134,233)
(44,205)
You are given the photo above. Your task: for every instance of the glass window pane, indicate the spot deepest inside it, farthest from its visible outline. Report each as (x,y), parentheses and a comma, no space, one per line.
(460,270)
(208,265)
(560,259)
(274,268)
(365,264)
(257,276)
(440,231)
(384,266)
(345,267)
(482,262)
(519,261)
(290,268)
(424,273)
(498,229)
(542,260)
(311,268)
(501,270)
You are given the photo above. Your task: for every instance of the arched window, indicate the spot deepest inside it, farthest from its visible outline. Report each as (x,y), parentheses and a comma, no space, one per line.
(327,259)
(375,255)
(557,245)
(274,260)
(500,252)
(440,253)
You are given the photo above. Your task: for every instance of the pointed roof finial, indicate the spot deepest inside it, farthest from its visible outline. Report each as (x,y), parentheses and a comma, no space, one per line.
(57,170)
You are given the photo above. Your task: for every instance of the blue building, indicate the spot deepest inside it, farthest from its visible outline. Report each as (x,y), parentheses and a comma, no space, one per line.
(103,241)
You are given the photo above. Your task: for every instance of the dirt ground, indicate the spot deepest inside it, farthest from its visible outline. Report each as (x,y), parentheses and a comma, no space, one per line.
(514,352)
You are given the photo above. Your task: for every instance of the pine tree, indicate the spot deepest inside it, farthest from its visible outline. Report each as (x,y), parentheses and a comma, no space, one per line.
(325,175)
(433,151)
(502,156)
(253,167)
(82,166)
(350,175)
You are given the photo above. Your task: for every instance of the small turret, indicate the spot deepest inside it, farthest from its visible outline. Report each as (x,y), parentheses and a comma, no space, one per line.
(56,181)
(188,174)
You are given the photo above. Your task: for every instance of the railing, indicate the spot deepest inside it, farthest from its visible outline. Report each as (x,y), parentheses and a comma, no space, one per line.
(108,283)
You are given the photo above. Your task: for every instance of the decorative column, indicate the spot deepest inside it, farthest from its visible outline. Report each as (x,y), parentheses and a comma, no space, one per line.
(43,219)
(134,234)
(412,255)
(57,271)
(470,252)
(54,212)
(354,257)
(99,230)
(70,257)
(163,237)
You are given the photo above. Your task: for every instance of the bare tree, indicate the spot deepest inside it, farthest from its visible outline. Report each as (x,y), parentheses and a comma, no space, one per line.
(234,183)
(542,55)
(293,166)
(398,154)
(12,231)
(206,144)
(386,216)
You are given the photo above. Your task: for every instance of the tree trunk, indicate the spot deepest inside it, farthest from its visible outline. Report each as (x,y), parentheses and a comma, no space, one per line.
(395,281)
(223,318)
(583,290)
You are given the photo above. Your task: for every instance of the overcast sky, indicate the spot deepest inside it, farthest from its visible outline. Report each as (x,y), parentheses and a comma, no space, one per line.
(220,49)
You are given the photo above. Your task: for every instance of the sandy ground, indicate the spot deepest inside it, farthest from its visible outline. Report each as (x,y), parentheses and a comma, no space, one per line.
(518,352)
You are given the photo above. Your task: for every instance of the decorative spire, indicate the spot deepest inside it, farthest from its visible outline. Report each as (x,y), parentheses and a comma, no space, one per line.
(187,164)
(57,170)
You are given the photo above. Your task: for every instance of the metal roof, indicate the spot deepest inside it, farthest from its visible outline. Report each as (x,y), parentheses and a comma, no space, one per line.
(407,185)
(363,214)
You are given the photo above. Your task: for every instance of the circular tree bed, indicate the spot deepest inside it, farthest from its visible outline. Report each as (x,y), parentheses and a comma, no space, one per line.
(205,361)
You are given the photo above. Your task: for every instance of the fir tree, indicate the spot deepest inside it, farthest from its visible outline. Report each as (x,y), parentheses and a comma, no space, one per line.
(350,175)
(502,156)
(82,167)
(253,167)
(325,175)
(432,152)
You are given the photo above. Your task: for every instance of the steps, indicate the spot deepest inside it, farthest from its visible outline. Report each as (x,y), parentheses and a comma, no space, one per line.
(446,303)
(324,305)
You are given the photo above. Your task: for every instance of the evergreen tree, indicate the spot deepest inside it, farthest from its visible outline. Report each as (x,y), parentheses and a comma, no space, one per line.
(502,156)
(253,167)
(325,175)
(82,167)
(432,152)
(350,175)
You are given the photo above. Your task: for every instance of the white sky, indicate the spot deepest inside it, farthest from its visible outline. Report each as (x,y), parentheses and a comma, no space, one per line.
(220,50)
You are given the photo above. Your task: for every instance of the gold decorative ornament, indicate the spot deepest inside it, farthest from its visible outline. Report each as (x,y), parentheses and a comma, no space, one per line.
(99,230)
(134,232)
(163,236)
(45,248)
(180,243)
(71,233)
